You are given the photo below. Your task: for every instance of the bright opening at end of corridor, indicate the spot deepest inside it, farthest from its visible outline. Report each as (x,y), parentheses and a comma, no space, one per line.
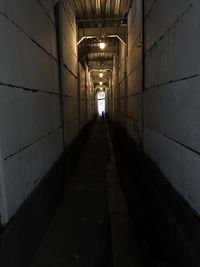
(101,103)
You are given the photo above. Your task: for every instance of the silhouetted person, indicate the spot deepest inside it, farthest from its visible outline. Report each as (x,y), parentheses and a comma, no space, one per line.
(102,116)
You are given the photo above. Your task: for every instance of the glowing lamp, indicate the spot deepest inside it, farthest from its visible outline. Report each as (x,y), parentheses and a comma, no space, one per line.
(102,45)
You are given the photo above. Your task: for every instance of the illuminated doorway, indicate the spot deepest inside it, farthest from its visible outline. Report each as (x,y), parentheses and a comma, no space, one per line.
(101,103)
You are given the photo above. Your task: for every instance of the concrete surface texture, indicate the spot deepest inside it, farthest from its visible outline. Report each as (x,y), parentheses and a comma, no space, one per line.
(85,230)
(171,123)
(94,225)
(160,108)
(47,98)
(30,99)
(69,72)
(30,126)
(84,214)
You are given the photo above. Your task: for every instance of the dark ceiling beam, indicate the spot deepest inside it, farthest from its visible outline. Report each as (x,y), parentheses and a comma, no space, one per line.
(100,59)
(97,79)
(96,84)
(97,32)
(100,67)
(94,50)
(85,51)
(100,20)
(95,72)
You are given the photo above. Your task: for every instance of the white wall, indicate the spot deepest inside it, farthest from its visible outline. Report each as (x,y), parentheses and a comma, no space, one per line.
(88,99)
(70,73)
(128,89)
(172,94)
(30,127)
(83,96)
(91,96)
(134,72)
(30,107)
(78,99)
(122,86)
(170,125)
(115,86)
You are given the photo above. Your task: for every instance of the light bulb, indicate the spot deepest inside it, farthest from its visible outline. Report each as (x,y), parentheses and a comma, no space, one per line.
(101,75)
(102,45)
(101,83)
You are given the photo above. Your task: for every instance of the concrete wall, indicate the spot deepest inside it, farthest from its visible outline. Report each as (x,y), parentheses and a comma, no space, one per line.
(134,73)
(30,126)
(31,134)
(31,137)
(88,103)
(91,97)
(83,96)
(70,73)
(115,86)
(171,98)
(119,85)
(110,98)
(164,117)
(122,94)
(128,96)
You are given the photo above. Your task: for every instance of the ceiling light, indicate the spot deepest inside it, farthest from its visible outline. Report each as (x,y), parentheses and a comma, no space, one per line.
(101,75)
(102,45)
(101,88)
(101,83)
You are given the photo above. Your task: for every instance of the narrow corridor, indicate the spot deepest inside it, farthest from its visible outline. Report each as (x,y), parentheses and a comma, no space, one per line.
(82,191)
(92,227)
(80,232)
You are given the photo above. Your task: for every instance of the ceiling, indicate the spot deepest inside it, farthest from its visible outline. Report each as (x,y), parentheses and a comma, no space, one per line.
(98,9)
(100,14)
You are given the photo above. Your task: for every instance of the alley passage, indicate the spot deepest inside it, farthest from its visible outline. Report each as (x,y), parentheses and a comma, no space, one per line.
(80,233)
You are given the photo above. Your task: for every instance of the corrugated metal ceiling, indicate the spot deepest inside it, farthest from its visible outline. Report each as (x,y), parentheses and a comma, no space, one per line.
(85,50)
(97,9)
(99,13)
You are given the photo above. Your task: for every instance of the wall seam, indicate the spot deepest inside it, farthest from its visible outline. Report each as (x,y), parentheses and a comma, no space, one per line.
(174,140)
(27,35)
(28,89)
(46,12)
(32,143)
(172,81)
(170,28)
